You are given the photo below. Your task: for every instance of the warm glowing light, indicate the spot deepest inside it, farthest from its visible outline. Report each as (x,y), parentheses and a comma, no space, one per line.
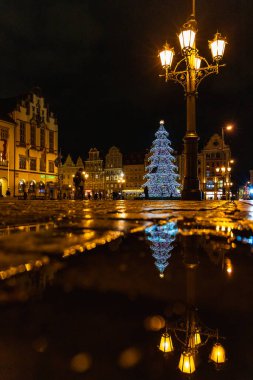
(166,344)
(86,175)
(218,354)
(217,46)
(229,127)
(197,338)
(154,323)
(81,362)
(186,363)
(197,63)
(187,38)
(129,358)
(166,56)
(229,266)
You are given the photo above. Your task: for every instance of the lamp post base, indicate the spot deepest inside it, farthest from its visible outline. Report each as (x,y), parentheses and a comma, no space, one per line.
(191,195)
(191,190)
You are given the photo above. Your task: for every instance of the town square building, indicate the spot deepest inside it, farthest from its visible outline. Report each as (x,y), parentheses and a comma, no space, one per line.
(28,147)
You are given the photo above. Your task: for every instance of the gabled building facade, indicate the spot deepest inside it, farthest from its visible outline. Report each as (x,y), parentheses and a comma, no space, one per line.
(114,176)
(93,167)
(29,146)
(67,172)
(214,169)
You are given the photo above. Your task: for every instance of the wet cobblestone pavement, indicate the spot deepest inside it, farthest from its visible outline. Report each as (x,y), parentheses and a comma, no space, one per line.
(86,287)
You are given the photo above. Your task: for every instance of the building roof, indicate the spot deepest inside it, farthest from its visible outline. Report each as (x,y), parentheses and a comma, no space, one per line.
(8,105)
(69,161)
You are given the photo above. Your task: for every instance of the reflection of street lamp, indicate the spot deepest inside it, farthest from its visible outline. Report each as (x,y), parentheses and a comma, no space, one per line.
(189,73)
(191,335)
(85,176)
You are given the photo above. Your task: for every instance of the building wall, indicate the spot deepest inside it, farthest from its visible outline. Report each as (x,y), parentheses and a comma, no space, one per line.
(113,173)
(6,156)
(215,154)
(67,172)
(32,146)
(134,174)
(251,177)
(94,168)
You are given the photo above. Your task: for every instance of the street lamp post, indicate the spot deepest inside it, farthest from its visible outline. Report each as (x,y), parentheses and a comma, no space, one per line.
(121,181)
(226,184)
(226,128)
(85,176)
(189,73)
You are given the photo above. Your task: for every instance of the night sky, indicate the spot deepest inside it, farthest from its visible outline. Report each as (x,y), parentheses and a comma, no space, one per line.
(96,63)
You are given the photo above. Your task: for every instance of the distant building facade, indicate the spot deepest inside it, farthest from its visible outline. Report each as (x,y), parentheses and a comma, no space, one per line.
(113,173)
(94,184)
(67,172)
(134,170)
(214,169)
(28,146)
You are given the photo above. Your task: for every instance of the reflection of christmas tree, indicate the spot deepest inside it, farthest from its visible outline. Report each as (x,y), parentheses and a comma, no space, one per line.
(162,237)
(162,177)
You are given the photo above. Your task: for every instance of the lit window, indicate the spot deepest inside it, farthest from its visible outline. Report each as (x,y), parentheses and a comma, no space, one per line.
(22,162)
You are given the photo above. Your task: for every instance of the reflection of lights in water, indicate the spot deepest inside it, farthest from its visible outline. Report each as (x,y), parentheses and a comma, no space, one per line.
(229,266)
(245,240)
(129,357)
(225,228)
(154,323)
(87,245)
(161,238)
(166,344)
(21,268)
(81,362)
(190,334)
(40,344)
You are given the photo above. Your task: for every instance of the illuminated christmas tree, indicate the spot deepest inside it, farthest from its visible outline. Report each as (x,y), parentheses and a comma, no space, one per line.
(162,237)
(162,179)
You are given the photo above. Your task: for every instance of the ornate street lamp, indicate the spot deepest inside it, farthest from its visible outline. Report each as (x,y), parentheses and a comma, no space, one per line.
(225,173)
(166,344)
(191,335)
(228,127)
(189,72)
(85,176)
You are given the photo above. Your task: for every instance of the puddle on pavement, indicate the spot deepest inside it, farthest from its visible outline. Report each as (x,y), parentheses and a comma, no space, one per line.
(100,314)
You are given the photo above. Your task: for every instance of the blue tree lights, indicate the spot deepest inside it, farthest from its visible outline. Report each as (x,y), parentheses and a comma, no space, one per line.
(161,238)
(162,177)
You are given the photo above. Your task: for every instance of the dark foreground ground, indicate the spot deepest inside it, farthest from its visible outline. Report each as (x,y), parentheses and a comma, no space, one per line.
(82,297)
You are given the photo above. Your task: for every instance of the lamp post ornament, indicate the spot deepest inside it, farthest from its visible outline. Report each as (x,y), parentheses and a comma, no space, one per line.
(189,72)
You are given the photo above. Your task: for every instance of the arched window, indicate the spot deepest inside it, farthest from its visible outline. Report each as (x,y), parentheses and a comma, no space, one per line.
(21,186)
(32,187)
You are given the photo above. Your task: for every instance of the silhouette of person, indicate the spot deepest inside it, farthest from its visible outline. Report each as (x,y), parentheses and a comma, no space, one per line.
(146,192)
